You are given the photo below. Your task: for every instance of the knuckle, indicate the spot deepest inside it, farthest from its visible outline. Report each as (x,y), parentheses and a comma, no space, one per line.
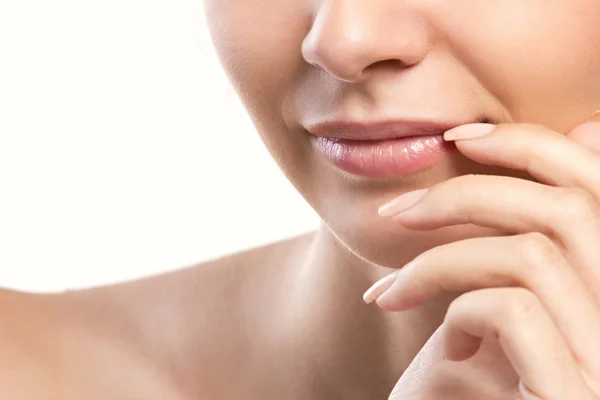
(461,305)
(537,251)
(578,204)
(519,305)
(454,308)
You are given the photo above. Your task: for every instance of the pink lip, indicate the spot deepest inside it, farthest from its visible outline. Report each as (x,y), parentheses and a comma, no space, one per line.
(385,149)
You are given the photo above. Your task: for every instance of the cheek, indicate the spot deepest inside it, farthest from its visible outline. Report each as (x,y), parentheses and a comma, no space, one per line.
(258,43)
(540,59)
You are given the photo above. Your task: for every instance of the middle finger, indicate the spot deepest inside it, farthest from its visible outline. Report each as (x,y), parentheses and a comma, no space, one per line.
(570,216)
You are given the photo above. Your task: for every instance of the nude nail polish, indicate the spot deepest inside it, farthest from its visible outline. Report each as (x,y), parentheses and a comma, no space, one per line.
(379,288)
(595,117)
(469,131)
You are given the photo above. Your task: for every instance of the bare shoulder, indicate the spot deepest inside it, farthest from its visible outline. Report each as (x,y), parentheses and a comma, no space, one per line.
(230,305)
(15,308)
(29,343)
(228,288)
(211,277)
(23,318)
(264,257)
(276,252)
(48,352)
(177,319)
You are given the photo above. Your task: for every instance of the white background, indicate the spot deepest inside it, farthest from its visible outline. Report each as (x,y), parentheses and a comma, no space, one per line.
(124,151)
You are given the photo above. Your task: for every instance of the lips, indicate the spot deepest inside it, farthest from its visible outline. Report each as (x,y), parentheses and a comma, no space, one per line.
(380,130)
(384,149)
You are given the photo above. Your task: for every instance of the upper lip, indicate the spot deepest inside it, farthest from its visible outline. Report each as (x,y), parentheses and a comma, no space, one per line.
(381,130)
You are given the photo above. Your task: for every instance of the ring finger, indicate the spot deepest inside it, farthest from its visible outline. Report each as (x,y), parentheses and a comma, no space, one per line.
(526,334)
(530,261)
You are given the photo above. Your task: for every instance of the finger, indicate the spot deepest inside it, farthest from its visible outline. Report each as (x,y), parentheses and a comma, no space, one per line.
(501,202)
(527,335)
(506,203)
(569,215)
(531,261)
(586,134)
(547,155)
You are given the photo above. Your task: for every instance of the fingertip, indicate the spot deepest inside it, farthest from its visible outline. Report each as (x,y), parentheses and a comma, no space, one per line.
(379,288)
(587,134)
(595,117)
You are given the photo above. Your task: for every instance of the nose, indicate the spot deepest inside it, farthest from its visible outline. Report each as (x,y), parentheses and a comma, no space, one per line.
(349,37)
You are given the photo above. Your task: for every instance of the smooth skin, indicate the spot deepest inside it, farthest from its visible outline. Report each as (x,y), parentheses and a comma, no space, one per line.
(287,320)
(533,293)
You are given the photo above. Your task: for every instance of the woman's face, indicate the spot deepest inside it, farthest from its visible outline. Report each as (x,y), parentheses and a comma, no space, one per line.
(296,63)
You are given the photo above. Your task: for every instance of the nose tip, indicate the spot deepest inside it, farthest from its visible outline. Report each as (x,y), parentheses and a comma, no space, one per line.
(341,57)
(345,40)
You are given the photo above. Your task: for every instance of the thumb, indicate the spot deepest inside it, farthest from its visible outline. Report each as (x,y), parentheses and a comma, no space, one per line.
(588,133)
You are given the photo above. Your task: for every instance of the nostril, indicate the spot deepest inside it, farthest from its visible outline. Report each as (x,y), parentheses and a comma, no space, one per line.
(391,63)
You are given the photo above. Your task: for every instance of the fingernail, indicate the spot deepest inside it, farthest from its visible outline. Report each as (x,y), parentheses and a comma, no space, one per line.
(401,203)
(595,117)
(469,131)
(379,288)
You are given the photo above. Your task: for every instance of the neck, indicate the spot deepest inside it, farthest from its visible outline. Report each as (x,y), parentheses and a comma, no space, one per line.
(348,342)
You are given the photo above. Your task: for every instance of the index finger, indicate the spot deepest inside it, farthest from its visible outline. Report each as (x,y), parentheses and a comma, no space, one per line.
(547,155)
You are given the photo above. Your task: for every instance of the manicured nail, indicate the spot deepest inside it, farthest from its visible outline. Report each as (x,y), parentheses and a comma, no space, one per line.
(379,288)
(469,131)
(401,203)
(595,117)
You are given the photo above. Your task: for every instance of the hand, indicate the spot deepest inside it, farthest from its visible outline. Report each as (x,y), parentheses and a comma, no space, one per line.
(535,292)
(487,375)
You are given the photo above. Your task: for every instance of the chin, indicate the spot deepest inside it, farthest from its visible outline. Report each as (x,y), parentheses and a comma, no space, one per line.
(348,208)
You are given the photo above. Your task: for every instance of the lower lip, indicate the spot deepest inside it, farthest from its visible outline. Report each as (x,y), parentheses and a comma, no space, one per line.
(384,158)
